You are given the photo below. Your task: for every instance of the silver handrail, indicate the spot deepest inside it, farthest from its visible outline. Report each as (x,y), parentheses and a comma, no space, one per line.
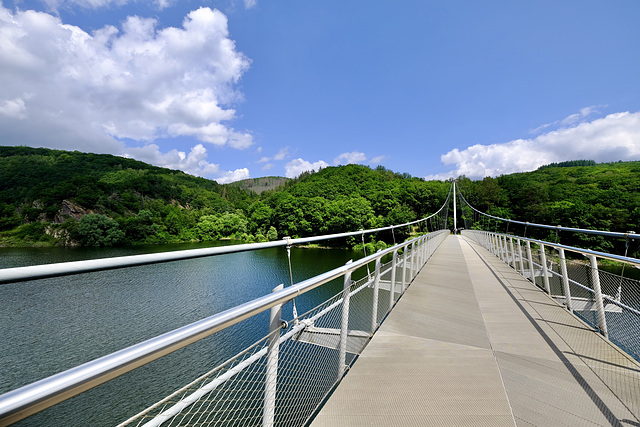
(19,274)
(32,398)
(47,392)
(585,252)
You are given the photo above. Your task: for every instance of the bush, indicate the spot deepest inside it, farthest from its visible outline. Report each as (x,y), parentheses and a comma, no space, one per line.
(98,230)
(272,234)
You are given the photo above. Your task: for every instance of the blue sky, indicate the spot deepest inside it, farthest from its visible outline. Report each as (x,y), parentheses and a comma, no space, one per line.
(235,89)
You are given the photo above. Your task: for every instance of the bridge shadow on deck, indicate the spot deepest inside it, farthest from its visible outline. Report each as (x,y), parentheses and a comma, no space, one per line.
(474,343)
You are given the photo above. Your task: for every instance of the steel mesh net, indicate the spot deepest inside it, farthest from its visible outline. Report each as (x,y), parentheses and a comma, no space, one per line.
(308,361)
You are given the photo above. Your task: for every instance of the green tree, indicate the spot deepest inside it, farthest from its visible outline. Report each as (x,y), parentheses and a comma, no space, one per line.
(98,230)
(272,234)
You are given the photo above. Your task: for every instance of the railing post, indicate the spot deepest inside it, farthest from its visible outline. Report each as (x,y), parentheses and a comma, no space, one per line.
(425,251)
(376,286)
(404,267)
(393,279)
(595,279)
(520,257)
(565,279)
(413,260)
(271,380)
(504,251)
(543,259)
(342,361)
(513,254)
(530,259)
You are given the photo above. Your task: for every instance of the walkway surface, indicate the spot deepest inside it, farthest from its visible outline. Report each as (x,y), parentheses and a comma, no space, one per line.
(473,343)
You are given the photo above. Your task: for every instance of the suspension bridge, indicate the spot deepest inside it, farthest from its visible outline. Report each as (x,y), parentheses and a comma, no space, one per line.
(477,328)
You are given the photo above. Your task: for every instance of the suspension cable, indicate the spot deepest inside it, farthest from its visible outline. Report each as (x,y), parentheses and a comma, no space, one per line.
(626,250)
(364,249)
(295,311)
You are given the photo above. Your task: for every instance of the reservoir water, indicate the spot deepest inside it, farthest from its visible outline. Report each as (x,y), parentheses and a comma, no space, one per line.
(51,325)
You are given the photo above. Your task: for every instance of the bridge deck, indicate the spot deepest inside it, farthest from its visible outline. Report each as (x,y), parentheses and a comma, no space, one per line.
(474,343)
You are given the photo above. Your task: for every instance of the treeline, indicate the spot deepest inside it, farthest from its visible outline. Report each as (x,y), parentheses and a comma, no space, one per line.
(568,164)
(53,197)
(602,196)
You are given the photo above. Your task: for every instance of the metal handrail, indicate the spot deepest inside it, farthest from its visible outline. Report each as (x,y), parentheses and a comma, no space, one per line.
(32,398)
(629,235)
(20,274)
(54,389)
(611,299)
(585,252)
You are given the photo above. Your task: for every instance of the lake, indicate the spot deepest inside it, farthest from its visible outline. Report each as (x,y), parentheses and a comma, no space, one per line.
(51,325)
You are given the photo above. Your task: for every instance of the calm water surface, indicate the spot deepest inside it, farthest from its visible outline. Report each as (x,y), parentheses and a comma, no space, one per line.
(49,325)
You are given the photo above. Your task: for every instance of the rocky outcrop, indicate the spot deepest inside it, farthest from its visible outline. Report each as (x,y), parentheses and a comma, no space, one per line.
(70,210)
(62,235)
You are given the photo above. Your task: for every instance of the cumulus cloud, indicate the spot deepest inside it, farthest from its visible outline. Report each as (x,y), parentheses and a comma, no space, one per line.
(349,158)
(232,176)
(194,163)
(65,88)
(297,166)
(607,139)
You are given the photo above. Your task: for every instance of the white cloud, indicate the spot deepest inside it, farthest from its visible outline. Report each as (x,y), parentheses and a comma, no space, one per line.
(232,176)
(349,158)
(249,3)
(297,166)
(280,155)
(608,139)
(90,91)
(13,108)
(267,166)
(194,163)
(55,5)
(570,120)
(377,160)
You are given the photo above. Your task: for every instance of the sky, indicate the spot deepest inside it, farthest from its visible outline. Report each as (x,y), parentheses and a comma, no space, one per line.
(237,89)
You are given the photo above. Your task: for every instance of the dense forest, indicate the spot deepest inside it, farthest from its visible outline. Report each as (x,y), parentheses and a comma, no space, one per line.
(53,197)
(603,196)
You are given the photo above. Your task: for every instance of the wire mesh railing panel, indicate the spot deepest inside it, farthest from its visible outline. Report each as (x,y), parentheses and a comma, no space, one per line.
(620,295)
(308,363)
(308,370)
(536,272)
(231,394)
(622,311)
(555,273)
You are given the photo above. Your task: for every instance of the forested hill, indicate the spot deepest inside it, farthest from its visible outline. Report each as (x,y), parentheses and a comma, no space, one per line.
(603,196)
(351,197)
(53,197)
